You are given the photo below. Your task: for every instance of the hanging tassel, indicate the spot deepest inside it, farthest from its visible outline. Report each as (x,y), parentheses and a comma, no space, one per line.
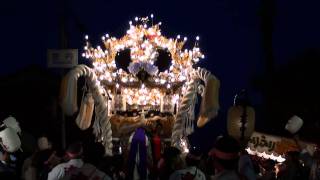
(69,92)
(84,117)
(210,100)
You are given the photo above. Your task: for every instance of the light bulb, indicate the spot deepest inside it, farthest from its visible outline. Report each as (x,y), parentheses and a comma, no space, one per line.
(202,56)
(185,38)
(197,38)
(136,18)
(130,22)
(86,37)
(151,15)
(178,37)
(107,35)
(103,38)
(160,23)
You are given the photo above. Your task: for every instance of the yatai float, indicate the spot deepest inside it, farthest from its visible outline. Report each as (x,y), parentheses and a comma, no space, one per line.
(141,95)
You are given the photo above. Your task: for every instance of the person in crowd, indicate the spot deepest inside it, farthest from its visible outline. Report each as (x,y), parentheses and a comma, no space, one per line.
(315,166)
(268,170)
(225,157)
(73,160)
(74,168)
(6,169)
(140,156)
(192,170)
(169,162)
(293,168)
(279,171)
(245,166)
(29,171)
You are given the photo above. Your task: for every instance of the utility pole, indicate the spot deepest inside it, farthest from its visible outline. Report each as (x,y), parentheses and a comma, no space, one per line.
(268,12)
(63,45)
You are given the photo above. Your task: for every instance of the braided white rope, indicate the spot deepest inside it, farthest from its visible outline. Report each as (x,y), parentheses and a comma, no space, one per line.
(187,101)
(102,125)
(182,115)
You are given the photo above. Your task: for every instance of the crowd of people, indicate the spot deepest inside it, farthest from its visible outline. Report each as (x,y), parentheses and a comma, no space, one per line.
(227,160)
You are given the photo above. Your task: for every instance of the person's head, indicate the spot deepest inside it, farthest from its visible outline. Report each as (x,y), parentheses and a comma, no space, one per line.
(292,156)
(44,143)
(279,168)
(172,158)
(4,156)
(193,157)
(74,151)
(225,153)
(158,127)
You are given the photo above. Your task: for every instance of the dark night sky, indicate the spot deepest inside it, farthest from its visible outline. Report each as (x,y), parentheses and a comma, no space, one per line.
(230,32)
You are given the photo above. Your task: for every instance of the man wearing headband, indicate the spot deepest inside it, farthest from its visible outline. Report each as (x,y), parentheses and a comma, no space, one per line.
(225,157)
(74,156)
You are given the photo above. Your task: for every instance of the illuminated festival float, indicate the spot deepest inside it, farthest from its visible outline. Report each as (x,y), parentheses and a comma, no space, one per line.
(118,101)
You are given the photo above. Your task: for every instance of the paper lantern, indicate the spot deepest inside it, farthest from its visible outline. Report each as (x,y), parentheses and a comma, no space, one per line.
(10,140)
(294,124)
(234,123)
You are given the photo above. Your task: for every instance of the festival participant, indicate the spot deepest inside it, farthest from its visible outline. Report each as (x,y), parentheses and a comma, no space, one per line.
(245,166)
(139,155)
(29,171)
(6,170)
(225,156)
(192,170)
(74,160)
(169,162)
(75,168)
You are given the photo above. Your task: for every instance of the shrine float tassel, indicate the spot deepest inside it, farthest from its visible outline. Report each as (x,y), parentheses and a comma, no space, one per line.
(210,98)
(68,94)
(84,117)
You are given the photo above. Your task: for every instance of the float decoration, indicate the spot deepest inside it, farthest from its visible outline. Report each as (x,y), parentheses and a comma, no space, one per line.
(141,94)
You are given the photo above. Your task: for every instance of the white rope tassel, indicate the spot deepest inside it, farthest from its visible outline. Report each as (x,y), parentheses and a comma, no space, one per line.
(210,101)
(84,117)
(69,103)
(102,125)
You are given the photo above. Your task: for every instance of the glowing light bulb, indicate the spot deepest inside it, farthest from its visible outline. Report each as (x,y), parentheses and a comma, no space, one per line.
(86,37)
(162,81)
(130,22)
(103,38)
(83,55)
(178,37)
(107,35)
(185,38)
(202,56)
(197,38)
(136,18)
(160,23)
(151,15)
